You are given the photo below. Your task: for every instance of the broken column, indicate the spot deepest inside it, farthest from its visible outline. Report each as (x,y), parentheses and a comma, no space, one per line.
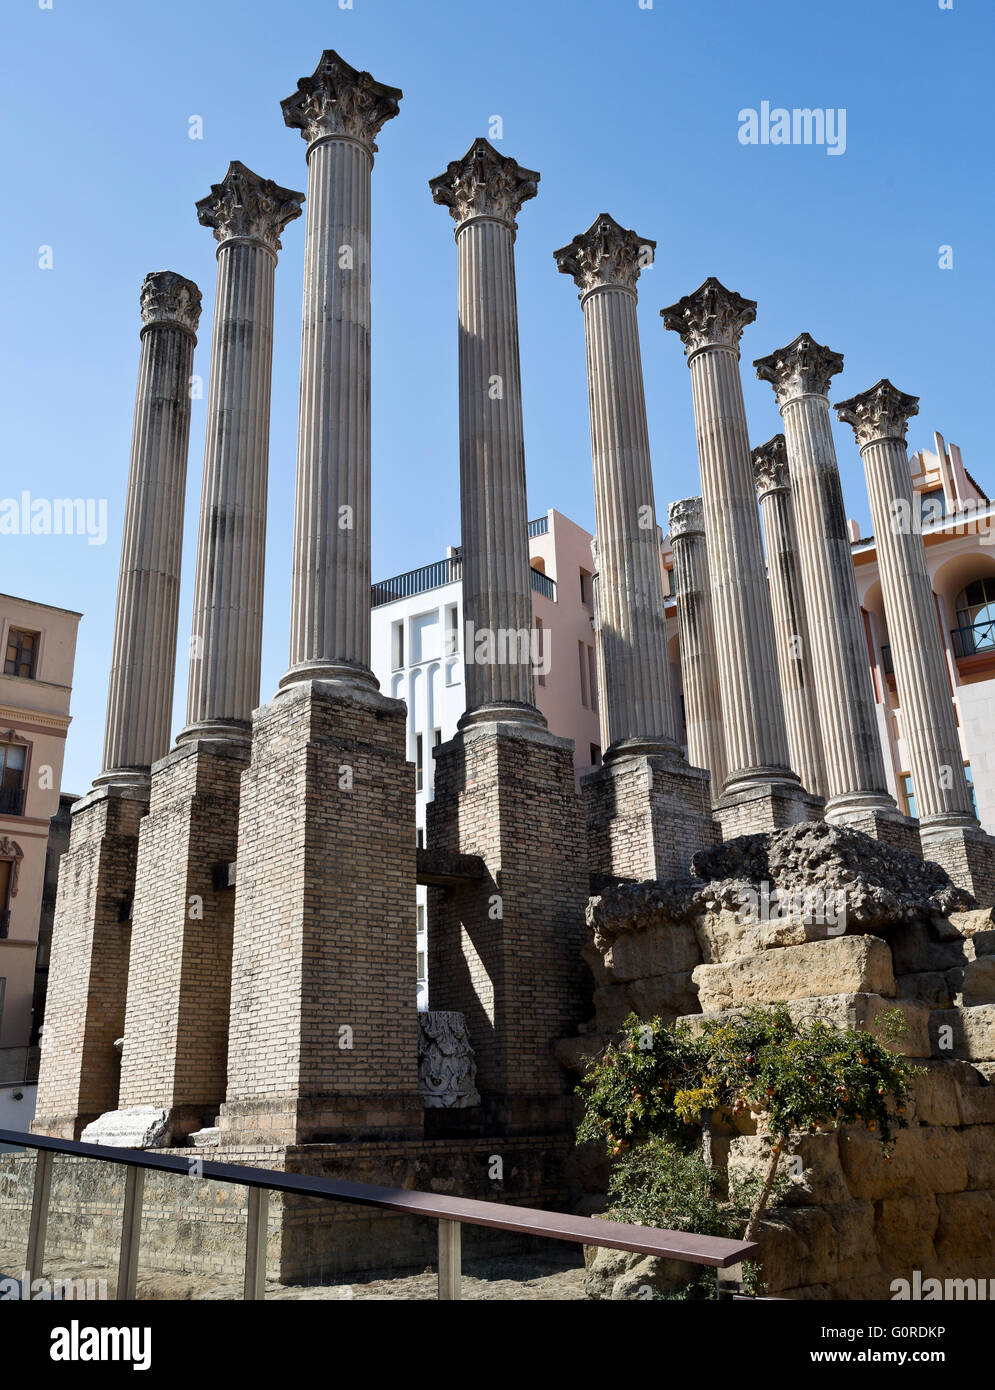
(696,634)
(323,1040)
(88,974)
(794,660)
(951,835)
(648,811)
(856,783)
(761,792)
(504,950)
(176,1029)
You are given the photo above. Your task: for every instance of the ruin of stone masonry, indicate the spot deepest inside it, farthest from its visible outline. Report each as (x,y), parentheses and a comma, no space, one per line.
(279,1027)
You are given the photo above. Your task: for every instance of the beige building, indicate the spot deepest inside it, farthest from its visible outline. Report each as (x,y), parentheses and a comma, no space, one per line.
(38,643)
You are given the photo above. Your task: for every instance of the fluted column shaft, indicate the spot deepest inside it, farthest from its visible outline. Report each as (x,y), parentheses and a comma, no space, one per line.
(791,631)
(496,590)
(330,600)
(696,630)
(756,739)
(140,694)
(632,619)
(226,637)
(851,740)
(943,797)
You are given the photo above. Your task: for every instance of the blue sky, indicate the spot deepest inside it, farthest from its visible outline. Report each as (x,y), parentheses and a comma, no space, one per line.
(622,109)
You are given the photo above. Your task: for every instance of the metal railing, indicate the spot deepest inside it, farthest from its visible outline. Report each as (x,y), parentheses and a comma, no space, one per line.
(434,576)
(11,801)
(539,527)
(974,639)
(450,1214)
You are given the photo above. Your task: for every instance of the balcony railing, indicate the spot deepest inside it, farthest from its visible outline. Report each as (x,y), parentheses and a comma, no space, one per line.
(539,527)
(974,639)
(11,801)
(442,572)
(451,1214)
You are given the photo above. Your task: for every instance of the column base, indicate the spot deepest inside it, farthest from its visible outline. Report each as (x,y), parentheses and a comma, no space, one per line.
(505,950)
(88,973)
(760,807)
(968,856)
(179,979)
(323,1037)
(882,823)
(647,815)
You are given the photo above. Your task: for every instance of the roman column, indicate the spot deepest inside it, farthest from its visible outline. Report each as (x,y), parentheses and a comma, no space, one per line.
(761,792)
(856,782)
(176,1027)
(645,781)
(950,832)
(503,948)
(484,192)
(339,113)
(794,660)
(696,630)
(88,974)
(323,1037)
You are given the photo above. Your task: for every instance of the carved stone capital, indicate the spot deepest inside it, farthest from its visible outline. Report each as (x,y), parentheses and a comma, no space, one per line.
(710,317)
(169,298)
(803,368)
(686,518)
(883,412)
(770,466)
(447,1068)
(607,254)
(338,100)
(245,205)
(484,184)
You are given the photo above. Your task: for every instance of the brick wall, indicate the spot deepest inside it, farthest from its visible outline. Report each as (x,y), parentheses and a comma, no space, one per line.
(646,817)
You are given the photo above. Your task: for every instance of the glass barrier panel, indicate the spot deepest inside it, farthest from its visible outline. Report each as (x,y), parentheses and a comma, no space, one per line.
(508,1266)
(193,1236)
(17,1181)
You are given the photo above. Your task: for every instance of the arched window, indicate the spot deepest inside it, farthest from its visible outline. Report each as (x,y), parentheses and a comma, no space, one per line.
(976,617)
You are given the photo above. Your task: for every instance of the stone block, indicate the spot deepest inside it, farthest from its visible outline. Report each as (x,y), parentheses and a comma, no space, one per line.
(658,950)
(844,964)
(965,1227)
(931,987)
(904,1228)
(864,1011)
(978,982)
(978,1143)
(968,1033)
(137,1127)
(812,1163)
(926,1160)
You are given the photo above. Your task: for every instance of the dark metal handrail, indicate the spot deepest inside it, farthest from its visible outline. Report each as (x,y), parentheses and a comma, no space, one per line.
(974,639)
(450,1212)
(437,574)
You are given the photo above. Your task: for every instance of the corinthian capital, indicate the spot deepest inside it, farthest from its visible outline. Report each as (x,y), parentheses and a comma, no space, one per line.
(605,255)
(244,205)
(710,317)
(338,100)
(770,466)
(484,184)
(686,518)
(803,368)
(169,298)
(883,412)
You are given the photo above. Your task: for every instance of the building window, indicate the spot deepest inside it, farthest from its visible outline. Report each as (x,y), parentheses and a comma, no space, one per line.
(908,792)
(421,965)
(421,917)
(3,991)
(436,737)
(932,506)
(452,630)
(585,588)
(420,837)
(21,655)
(13,757)
(419,762)
(397,645)
(975,630)
(595,755)
(540,652)
(592,673)
(582,660)
(6,867)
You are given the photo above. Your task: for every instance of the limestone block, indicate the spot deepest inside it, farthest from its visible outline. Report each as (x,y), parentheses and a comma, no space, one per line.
(978,981)
(804,1245)
(904,1228)
(916,947)
(966,1227)
(813,1165)
(979,1153)
(139,1127)
(576,1054)
(981,919)
(663,996)
(863,1011)
(624,1275)
(967,1033)
(844,964)
(659,950)
(932,987)
(727,933)
(926,1160)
